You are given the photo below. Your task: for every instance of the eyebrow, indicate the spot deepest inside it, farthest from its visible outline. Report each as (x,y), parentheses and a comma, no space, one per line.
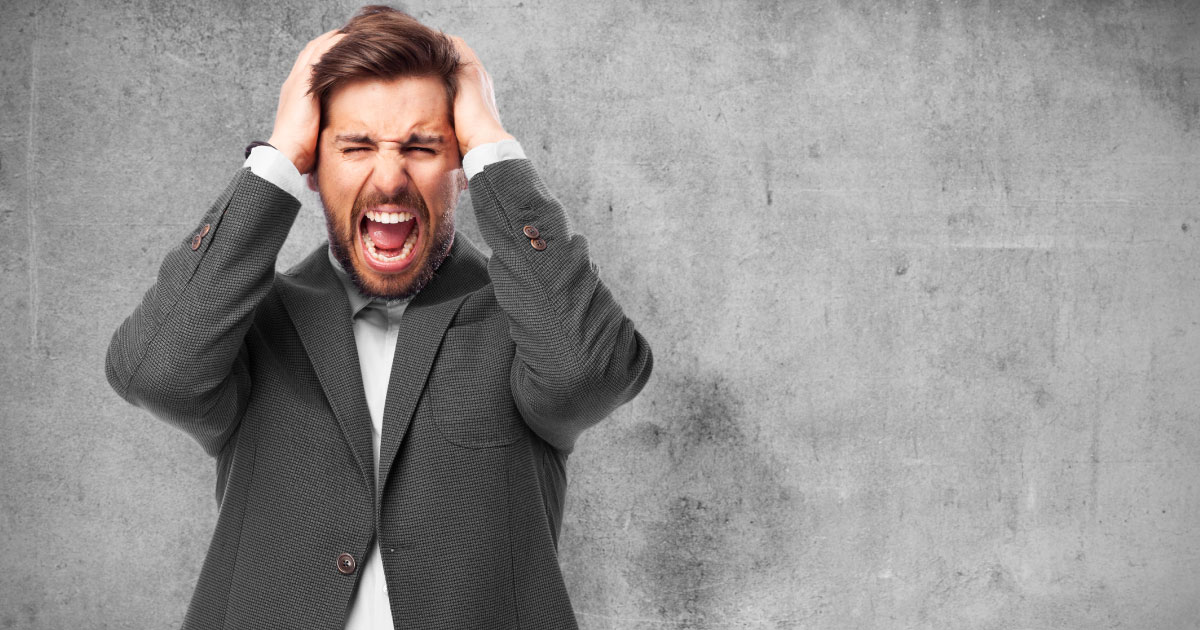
(413,138)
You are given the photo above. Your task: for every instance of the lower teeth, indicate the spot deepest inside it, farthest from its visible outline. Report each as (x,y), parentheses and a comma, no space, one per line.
(399,254)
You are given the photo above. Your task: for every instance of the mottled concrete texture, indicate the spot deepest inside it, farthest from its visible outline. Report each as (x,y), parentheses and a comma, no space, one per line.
(922,283)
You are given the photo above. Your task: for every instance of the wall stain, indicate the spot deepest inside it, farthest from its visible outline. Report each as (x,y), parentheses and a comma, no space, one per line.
(726,518)
(647,434)
(1168,85)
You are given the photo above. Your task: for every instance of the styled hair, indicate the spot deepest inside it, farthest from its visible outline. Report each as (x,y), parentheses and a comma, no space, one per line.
(385,43)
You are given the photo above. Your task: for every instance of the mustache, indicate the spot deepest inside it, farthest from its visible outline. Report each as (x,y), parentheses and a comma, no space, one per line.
(406,198)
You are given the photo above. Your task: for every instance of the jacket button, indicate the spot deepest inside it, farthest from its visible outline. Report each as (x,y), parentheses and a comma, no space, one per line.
(204,230)
(531,231)
(196,242)
(346,564)
(537,243)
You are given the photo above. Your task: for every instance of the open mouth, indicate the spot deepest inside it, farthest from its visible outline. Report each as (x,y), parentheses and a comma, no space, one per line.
(389,239)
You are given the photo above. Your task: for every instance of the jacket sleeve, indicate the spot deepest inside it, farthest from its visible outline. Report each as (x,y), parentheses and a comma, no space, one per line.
(577,356)
(181,355)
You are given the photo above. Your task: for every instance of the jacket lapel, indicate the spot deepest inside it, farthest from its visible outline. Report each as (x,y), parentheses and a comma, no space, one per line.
(317,304)
(420,335)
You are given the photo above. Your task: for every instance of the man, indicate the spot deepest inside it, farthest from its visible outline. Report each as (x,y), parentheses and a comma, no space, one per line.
(391,419)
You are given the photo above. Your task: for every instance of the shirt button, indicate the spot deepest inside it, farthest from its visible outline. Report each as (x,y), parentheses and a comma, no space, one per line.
(537,243)
(346,564)
(531,231)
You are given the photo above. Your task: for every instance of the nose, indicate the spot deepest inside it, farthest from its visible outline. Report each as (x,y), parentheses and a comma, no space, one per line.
(390,175)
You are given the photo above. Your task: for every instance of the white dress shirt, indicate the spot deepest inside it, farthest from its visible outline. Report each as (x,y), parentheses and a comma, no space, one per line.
(375,325)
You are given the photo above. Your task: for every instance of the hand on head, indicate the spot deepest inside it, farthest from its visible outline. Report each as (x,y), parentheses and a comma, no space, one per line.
(298,116)
(476,117)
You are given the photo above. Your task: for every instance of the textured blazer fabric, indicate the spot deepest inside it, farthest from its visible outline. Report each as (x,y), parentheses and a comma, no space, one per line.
(501,364)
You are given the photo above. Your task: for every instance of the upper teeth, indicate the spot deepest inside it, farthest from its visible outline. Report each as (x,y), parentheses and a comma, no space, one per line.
(389,217)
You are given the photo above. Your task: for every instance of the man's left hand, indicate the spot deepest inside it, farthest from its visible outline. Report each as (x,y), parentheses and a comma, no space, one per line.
(476,118)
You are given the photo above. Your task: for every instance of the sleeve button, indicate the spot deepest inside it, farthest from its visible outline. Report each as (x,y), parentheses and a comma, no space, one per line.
(531,231)
(537,243)
(196,242)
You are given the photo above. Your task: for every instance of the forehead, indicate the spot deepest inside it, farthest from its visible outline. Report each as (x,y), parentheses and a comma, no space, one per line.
(389,108)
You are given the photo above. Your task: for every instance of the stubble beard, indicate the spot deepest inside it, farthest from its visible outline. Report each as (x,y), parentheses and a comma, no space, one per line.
(372,284)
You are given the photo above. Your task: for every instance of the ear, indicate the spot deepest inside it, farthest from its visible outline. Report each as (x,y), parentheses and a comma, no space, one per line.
(311,178)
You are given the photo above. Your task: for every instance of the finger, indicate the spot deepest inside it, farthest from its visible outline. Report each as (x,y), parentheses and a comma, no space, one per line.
(324,46)
(317,47)
(465,54)
(314,43)
(317,41)
(328,40)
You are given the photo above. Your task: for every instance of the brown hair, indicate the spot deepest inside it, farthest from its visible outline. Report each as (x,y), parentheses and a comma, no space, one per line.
(385,43)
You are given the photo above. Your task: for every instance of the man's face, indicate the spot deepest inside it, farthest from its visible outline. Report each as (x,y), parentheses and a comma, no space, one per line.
(389,176)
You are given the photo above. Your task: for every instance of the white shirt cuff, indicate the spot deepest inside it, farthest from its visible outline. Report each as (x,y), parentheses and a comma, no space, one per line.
(269,164)
(490,153)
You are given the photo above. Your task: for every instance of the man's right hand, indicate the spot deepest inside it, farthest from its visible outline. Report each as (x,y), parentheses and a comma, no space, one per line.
(298,118)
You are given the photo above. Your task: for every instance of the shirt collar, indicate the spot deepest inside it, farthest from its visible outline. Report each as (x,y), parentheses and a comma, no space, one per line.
(358,301)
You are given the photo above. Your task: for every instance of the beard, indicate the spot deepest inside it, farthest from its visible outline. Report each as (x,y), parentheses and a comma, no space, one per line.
(404,285)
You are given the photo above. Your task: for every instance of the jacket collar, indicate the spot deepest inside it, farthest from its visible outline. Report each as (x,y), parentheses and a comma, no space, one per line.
(319,305)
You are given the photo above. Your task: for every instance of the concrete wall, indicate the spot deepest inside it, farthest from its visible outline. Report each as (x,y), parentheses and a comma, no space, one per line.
(923,286)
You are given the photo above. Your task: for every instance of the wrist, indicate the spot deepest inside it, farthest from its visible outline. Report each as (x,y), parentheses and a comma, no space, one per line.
(485,138)
(298,157)
(257,143)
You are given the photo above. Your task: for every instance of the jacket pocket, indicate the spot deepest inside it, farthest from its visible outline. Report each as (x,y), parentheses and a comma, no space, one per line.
(469,390)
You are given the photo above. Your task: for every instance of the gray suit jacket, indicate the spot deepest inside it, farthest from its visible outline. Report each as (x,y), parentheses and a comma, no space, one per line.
(502,362)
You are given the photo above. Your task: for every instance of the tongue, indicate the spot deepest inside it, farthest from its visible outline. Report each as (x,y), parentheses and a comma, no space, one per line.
(389,235)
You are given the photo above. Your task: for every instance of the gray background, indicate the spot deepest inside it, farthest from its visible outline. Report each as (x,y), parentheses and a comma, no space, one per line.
(921,283)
